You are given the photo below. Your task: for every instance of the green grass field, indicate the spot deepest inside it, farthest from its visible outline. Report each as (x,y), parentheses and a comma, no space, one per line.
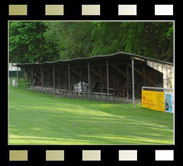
(42,119)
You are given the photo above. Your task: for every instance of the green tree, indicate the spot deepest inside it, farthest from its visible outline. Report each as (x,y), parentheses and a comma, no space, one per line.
(152,39)
(73,38)
(28,44)
(51,41)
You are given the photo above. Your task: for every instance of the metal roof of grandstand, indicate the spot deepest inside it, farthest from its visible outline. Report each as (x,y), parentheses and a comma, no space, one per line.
(113,58)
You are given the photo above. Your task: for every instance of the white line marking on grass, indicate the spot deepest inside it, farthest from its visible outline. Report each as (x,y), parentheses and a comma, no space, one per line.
(116,116)
(133,120)
(121,117)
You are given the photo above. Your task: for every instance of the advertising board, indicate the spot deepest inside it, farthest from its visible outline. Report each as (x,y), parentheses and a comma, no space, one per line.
(153,100)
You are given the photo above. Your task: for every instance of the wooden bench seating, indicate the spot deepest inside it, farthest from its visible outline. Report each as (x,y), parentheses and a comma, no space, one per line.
(63,92)
(48,90)
(37,88)
(101,94)
(44,89)
(78,93)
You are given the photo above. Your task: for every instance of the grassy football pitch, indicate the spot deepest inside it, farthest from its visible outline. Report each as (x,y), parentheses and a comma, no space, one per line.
(42,119)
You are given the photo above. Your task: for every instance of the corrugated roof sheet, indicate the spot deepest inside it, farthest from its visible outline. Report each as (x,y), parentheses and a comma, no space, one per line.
(115,56)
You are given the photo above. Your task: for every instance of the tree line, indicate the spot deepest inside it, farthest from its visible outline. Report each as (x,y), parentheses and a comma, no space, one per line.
(51,41)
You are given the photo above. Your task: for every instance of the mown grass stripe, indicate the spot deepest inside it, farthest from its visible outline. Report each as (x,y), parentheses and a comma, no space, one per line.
(37,118)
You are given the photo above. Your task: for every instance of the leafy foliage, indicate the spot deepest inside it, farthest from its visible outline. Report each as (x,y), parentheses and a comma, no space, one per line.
(50,41)
(27,42)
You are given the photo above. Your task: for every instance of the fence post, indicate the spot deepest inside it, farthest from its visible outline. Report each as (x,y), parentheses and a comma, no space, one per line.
(17,78)
(88,80)
(69,81)
(133,83)
(24,77)
(107,65)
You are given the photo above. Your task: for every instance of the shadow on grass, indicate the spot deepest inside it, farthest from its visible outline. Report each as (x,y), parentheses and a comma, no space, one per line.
(101,139)
(36,118)
(100,130)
